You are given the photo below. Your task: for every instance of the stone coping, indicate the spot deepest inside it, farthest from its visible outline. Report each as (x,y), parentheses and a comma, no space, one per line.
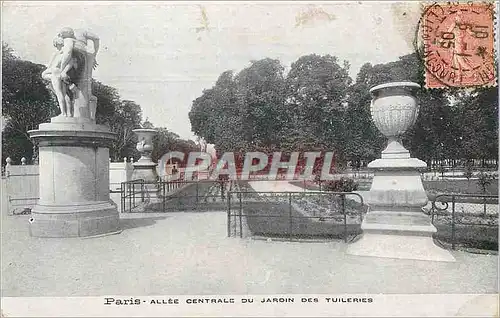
(397,164)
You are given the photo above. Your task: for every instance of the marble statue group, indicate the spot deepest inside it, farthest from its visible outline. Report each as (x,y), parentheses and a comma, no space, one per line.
(68,70)
(73,148)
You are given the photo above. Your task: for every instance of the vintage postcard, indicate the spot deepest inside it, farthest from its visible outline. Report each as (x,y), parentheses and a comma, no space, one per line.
(249,158)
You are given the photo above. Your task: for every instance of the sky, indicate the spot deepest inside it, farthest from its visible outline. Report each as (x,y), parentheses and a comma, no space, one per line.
(163,55)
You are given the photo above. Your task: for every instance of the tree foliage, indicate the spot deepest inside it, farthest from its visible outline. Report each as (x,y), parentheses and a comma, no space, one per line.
(317,107)
(28,102)
(166,141)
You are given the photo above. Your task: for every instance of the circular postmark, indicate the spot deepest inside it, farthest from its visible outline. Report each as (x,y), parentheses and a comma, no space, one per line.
(456,44)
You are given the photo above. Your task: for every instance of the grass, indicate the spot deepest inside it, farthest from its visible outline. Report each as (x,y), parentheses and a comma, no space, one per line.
(478,236)
(459,186)
(432,188)
(282,220)
(273,216)
(273,219)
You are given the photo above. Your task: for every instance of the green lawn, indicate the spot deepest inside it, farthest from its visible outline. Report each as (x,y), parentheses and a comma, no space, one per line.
(477,236)
(273,215)
(432,187)
(268,218)
(281,220)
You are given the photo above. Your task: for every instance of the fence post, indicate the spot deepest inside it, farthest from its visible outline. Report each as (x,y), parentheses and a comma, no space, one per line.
(163,196)
(345,216)
(290,214)
(484,206)
(432,209)
(8,161)
(142,192)
(133,193)
(229,215)
(130,196)
(453,222)
(23,161)
(239,197)
(222,189)
(241,212)
(122,196)
(197,191)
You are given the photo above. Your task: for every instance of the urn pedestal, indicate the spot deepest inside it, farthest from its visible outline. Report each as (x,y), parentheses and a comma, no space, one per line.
(74,180)
(145,168)
(395,225)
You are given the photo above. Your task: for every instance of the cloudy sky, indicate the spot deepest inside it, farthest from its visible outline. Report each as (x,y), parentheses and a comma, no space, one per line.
(162,55)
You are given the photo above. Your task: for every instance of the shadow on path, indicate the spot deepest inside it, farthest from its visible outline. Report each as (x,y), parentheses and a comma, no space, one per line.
(131,223)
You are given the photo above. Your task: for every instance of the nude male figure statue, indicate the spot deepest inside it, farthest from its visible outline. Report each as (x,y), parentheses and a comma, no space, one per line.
(75,45)
(70,38)
(60,84)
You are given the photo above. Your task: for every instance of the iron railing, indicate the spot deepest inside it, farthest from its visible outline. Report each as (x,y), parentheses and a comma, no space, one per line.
(172,196)
(293,215)
(475,207)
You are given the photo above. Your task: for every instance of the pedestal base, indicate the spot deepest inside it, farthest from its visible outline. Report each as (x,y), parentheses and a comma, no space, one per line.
(145,171)
(396,227)
(79,220)
(400,247)
(74,180)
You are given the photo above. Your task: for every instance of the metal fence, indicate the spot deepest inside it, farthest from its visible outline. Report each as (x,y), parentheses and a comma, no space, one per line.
(467,220)
(171,196)
(293,215)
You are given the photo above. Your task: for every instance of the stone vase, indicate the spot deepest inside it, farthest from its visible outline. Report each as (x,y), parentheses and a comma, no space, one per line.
(394,110)
(395,225)
(145,168)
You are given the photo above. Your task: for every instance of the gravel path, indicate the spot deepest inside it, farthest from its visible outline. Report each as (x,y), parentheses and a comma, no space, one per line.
(189,253)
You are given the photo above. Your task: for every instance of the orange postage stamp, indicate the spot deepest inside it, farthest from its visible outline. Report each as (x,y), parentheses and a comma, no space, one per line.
(458,45)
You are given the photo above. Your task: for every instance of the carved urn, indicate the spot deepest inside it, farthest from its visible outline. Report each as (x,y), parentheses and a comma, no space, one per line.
(395,225)
(145,142)
(394,110)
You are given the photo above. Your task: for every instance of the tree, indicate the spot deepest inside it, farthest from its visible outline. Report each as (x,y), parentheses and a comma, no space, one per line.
(361,139)
(26,103)
(166,141)
(215,116)
(260,100)
(477,116)
(432,136)
(126,118)
(121,116)
(316,108)
(316,92)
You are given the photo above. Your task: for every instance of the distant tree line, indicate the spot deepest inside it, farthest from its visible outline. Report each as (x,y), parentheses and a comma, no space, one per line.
(316,106)
(28,102)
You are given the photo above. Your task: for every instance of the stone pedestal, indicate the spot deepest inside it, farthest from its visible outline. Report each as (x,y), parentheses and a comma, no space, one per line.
(145,168)
(74,180)
(395,225)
